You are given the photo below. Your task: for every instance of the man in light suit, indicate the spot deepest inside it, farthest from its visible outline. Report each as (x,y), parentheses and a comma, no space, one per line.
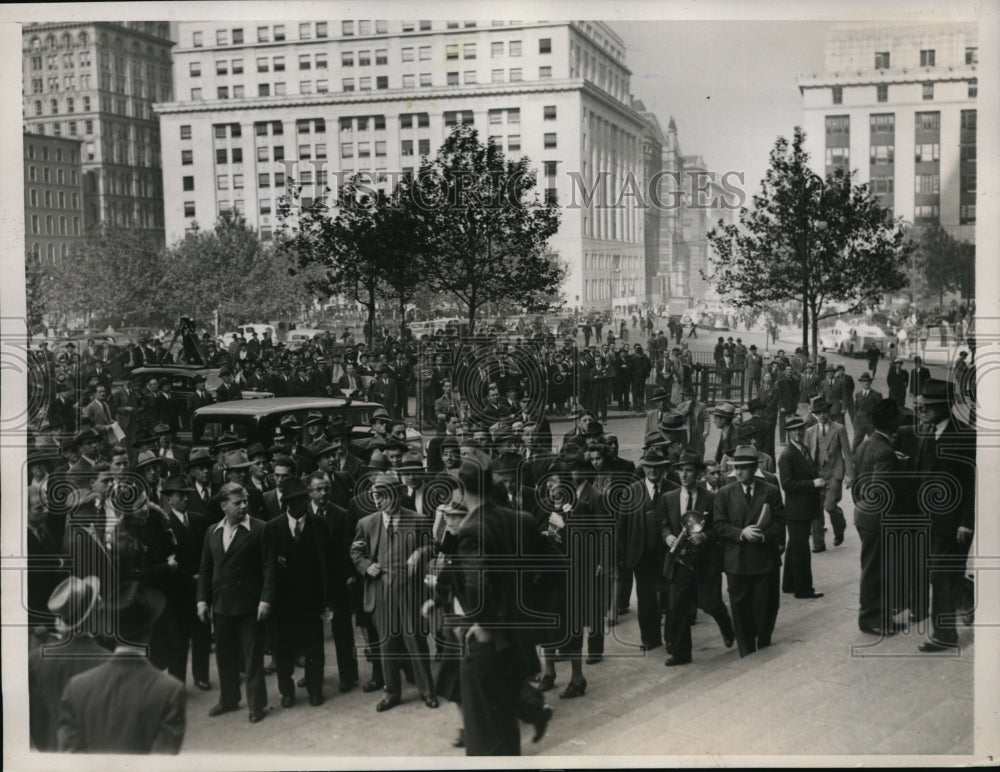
(830,450)
(98,412)
(125,705)
(384,548)
(693,569)
(233,588)
(752,546)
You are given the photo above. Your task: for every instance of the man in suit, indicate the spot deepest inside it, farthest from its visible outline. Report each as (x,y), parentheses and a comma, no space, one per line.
(174,454)
(639,542)
(723,415)
(864,401)
(752,545)
(199,469)
(199,397)
(88,445)
(61,415)
(918,375)
(754,370)
(802,485)
(125,406)
(786,390)
(231,582)
(693,569)
(543,430)
(383,390)
(832,390)
(229,389)
(168,408)
(847,392)
(125,705)
(383,548)
(830,451)
(297,556)
(946,450)
(188,531)
(896,380)
(763,426)
(513,492)
(98,413)
(54,663)
(876,470)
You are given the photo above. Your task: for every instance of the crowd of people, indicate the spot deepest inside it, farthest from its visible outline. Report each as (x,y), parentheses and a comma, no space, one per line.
(436,555)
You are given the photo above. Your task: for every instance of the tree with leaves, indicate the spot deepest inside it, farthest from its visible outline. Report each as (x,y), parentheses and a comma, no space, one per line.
(230,270)
(947,264)
(817,242)
(488,232)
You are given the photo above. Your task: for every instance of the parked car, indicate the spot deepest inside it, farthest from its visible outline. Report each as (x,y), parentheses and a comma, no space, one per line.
(853,338)
(298,337)
(255,420)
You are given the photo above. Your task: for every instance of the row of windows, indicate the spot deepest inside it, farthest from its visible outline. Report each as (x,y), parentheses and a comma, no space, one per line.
(50,225)
(928,57)
(47,175)
(885,122)
(882,92)
(44,155)
(36,251)
(57,202)
(68,61)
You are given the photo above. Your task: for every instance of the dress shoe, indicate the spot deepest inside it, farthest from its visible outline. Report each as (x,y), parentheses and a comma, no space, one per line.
(932,646)
(301,683)
(257,715)
(547,682)
(431,702)
(373,686)
(387,703)
(822,550)
(675,661)
(203,685)
(315,700)
(650,646)
(881,632)
(219,709)
(593,659)
(838,540)
(574,690)
(543,723)
(459,741)
(810,596)
(729,639)
(345,688)
(288,700)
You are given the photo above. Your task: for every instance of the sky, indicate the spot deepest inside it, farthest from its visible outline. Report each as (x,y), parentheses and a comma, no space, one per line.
(731,86)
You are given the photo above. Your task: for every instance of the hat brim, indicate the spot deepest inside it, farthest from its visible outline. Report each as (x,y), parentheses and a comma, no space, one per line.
(150,462)
(665,462)
(95,585)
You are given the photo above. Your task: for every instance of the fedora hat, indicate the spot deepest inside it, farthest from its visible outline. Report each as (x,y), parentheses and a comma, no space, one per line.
(289,423)
(161,429)
(176,484)
(385,480)
(338,427)
(257,450)
(654,457)
(411,462)
(379,460)
(199,456)
(934,392)
(794,422)
(725,409)
(380,413)
(671,421)
(819,405)
(323,448)
(746,430)
(744,455)
(865,376)
(146,458)
(237,460)
(143,438)
(654,439)
(314,417)
(227,441)
(451,510)
(136,609)
(293,488)
(506,463)
(690,457)
(756,404)
(74,599)
(86,435)
(885,414)
(660,393)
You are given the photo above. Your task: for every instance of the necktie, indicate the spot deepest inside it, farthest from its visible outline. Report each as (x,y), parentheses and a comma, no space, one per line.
(204,495)
(298,529)
(749,494)
(823,429)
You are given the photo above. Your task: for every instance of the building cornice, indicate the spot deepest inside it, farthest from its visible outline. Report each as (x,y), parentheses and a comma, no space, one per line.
(888,77)
(393,95)
(109,26)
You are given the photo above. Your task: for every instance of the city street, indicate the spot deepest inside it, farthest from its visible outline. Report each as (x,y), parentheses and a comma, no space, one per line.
(821,688)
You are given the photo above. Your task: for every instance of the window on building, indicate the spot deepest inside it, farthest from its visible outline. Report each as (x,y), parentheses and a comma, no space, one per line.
(279,32)
(195,94)
(968,119)
(347,150)
(514,48)
(196,40)
(381,82)
(263,89)
(322,29)
(364,27)
(425,25)
(263,153)
(973,89)
(222,37)
(882,92)
(364,58)
(279,152)
(469,51)
(347,59)
(187,157)
(237,181)
(347,28)
(928,121)
(348,84)
(221,155)
(425,53)
(424,147)
(222,92)
(972,55)
(968,152)
(549,112)
(322,86)
(409,26)
(189,208)
(305,62)
(195,69)
(321,62)
(515,75)
(381,56)
(409,81)
(496,49)
(407,54)
(263,64)
(452,79)
(451,51)
(514,142)
(927,57)
(927,183)
(926,152)
(425,79)
(381,27)
(263,34)
(550,140)
(238,36)
(881,60)
(927,90)
(365,83)
(469,77)
(545,46)
(838,94)
(305,31)
(879,155)
(305,86)
(278,64)
(406,148)
(187,183)
(544,72)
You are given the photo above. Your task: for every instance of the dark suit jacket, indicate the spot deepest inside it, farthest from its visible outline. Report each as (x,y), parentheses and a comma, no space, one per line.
(630,525)
(732,515)
(950,458)
(706,558)
(47,678)
(874,468)
(118,401)
(123,706)
(194,402)
(299,570)
(233,582)
(62,416)
(271,506)
(803,500)
(189,542)
(863,406)
(386,394)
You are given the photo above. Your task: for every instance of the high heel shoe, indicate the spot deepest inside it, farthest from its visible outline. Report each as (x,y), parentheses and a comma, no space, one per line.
(547,682)
(574,690)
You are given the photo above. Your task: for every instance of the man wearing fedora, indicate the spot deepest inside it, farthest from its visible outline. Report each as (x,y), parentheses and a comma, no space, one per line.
(896,380)
(803,485)
(946,450)
(752,544)
(188,530)
(297,561)
(199,397)
(876,470)
(199,469)
(754,370)
(639,542)
(233,593)
(693,569)
(88,445)
(175,454)
(786,389)
(864,401)
(50,667)
(830,451)
(228,390)
(384,542)
(723,415)
(125,705)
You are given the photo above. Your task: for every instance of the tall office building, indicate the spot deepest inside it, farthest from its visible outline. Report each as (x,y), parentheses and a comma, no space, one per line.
(96,82)
(258,103)
(53,196)
(898,104)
